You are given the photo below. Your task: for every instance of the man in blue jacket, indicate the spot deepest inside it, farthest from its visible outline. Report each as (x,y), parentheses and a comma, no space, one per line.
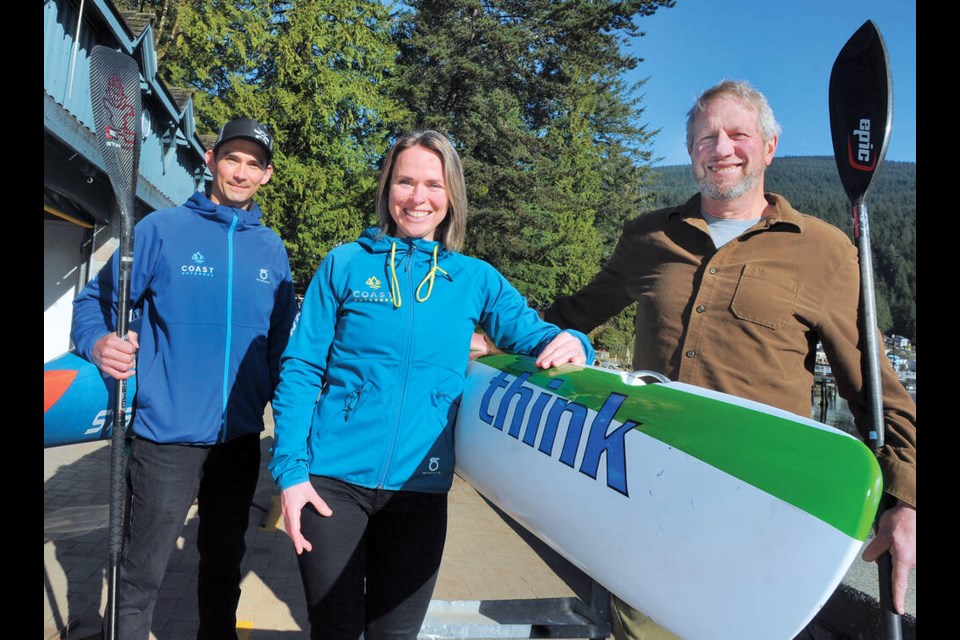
(216,301)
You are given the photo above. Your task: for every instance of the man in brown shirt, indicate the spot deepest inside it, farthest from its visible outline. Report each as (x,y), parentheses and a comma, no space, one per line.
(733,291)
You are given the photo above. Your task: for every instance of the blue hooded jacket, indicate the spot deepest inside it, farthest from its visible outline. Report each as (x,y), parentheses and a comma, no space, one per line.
(216,298)
(371,378)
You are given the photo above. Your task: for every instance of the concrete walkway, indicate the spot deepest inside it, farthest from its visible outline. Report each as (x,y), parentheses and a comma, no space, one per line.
(490,567)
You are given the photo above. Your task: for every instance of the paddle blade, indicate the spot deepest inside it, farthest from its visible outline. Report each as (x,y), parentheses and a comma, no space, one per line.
(115,98)
(861,109)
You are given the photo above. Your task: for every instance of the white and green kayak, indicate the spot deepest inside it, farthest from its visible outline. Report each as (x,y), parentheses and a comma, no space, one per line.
(716,516)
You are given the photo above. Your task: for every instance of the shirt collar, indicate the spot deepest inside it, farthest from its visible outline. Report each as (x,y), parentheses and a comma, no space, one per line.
(783,213)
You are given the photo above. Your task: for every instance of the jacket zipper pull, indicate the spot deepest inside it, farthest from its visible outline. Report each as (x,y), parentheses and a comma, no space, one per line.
(353,398)
(410,251)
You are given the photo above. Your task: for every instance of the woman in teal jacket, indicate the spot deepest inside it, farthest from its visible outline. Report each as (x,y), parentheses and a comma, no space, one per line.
(369,387)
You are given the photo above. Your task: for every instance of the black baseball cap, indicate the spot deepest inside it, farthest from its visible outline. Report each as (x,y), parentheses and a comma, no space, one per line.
(248,130)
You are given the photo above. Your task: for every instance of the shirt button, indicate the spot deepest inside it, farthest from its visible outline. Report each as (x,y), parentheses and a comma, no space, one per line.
(691,353)
(713,269)
(701,309)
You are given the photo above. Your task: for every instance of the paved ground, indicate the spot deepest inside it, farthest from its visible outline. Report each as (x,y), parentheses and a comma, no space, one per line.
(488,560)
(487,557)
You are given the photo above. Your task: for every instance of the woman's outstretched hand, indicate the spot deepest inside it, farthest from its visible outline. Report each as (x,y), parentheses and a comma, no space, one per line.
(561,350)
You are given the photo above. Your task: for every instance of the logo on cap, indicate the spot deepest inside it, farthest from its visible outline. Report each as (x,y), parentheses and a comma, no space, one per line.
(262,136)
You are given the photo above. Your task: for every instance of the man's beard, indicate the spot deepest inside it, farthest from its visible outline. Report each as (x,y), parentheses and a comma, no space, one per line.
(717,191)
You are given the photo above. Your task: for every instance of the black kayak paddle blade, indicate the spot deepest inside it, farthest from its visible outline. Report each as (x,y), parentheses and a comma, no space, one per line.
(861,109)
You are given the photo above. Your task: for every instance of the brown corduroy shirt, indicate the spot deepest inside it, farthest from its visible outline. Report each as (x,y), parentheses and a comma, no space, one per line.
(745,319)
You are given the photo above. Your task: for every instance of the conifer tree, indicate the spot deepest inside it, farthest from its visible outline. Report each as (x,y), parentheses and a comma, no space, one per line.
(313,71)
(531,93)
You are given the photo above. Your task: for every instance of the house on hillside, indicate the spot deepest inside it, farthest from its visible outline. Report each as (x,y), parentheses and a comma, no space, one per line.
(80,221)
(897,342)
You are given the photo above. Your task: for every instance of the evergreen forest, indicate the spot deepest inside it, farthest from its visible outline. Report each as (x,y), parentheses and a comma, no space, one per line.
(533,95)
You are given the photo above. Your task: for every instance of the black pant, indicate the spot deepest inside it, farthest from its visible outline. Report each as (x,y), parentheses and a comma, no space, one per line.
(162,481)
(374,562)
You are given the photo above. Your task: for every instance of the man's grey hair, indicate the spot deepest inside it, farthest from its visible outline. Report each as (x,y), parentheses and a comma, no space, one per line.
(742,92)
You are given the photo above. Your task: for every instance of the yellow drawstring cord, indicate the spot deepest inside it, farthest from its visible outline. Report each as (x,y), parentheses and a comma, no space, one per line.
(394,286)
(428,279)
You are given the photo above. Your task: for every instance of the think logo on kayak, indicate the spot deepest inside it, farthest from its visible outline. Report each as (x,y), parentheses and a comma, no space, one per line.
(498,405)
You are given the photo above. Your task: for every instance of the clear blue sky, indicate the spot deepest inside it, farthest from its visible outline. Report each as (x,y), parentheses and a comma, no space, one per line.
(786,49)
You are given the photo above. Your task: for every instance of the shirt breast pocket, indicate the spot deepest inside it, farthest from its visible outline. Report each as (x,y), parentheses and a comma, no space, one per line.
(764,297)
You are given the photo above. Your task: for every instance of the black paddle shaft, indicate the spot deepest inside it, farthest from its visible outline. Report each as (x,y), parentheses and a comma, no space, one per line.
(861,112)
(115,98)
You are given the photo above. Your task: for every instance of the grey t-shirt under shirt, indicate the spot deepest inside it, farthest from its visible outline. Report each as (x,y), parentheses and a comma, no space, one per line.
(723,230)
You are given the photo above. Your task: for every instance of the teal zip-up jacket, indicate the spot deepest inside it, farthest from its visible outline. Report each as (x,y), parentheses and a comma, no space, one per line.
(216,296)
(371,378)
